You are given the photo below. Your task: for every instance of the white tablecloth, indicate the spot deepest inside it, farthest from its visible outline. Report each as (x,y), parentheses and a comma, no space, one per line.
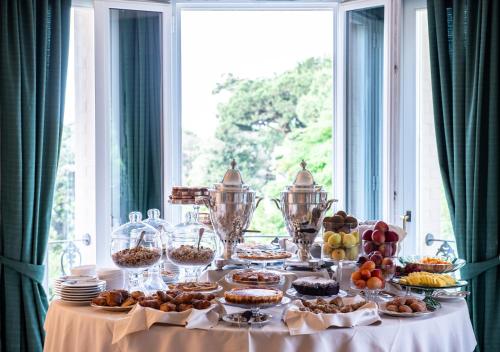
(81,328)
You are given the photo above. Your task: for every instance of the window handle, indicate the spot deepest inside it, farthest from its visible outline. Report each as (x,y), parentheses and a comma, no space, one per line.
(406,217)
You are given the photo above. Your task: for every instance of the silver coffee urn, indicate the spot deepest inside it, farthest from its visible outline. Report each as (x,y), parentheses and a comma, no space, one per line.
(303,205)
(231,204)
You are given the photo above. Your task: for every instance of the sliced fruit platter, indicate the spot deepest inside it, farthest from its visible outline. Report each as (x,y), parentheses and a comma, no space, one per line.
(432,264)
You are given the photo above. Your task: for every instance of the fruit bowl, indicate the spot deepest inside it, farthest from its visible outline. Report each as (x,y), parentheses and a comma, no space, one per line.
(445,264)
(386,249)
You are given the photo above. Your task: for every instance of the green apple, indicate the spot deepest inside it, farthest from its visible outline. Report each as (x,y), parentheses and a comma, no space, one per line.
(327,235)
(335,240)
(352,253)
(349,240)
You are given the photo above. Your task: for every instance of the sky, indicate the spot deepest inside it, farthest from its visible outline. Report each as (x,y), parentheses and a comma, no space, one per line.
(215,43)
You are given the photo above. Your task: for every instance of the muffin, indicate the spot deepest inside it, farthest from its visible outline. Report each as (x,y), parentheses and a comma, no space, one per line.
(316,286)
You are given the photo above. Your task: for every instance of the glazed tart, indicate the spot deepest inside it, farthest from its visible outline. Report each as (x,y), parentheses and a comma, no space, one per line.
(316,286)
(255,277)
(194,286)
(253,296)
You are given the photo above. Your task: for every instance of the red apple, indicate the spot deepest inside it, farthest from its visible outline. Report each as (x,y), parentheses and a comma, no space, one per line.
(376,258)
(367,235)
(374,283)
(391,236)
(365,274)
(368,247)
(377,273)
(378,236)
(382,226)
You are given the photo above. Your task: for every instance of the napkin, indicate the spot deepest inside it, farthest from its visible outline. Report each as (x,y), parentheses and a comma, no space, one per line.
(303,323)
(142,318)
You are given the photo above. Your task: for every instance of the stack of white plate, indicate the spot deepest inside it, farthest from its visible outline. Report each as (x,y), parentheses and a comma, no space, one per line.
(60,280)
(114,277)
(80,290)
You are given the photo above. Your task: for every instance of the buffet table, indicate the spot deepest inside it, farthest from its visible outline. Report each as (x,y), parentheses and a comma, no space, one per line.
(82,328)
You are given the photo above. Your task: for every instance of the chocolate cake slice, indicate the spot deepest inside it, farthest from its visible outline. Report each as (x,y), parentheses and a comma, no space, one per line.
(316,286)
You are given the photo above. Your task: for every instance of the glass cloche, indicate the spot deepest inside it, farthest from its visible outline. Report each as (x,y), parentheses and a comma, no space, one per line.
(191,247)
(135,246)
(154,280)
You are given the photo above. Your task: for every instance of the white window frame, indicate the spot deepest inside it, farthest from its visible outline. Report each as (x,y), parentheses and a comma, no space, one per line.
(103,111)
(390,114)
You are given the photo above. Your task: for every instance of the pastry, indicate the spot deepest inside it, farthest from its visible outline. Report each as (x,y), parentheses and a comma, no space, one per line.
(333,306)
(264,254)
(194,286)
(114,299)
(406,305)
(256,277)
(316,286)
(253,296)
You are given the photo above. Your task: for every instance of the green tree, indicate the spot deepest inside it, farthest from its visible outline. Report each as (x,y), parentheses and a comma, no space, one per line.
(269,125)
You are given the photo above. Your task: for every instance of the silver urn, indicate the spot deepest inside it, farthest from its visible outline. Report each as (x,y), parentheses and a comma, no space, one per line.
(303,205)
(231,204)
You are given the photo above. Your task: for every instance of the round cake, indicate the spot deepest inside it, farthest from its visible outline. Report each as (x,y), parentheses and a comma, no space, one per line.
(316,286)
(253,296)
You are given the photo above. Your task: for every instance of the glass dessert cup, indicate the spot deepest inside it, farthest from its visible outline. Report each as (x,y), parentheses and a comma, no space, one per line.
(135,247)
(191,247)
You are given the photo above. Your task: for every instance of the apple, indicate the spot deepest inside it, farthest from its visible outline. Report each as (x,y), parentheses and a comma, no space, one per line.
(391,236)
(348,240)
(368,265)
(367,235)
(374,283)
(338,254)
(382,226)
(386,249)
(376,258)
(377,273)
(378,236)
(335,240)
(360,284)
(368,247)
(365,274)
(352,253)
(327,235)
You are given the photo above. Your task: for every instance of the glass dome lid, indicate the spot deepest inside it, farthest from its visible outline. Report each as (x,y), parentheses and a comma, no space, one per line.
(232,180)
(304,181)
(133,229)
(155,221)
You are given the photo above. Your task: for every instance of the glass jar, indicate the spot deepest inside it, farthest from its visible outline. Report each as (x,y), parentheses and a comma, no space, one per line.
(154,281)
(135,246)
(192,247)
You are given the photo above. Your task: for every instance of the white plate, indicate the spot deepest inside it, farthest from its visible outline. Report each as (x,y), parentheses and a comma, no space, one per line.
(449,296)
(75,303)
(231,319)
(381,308)
(83,284)
(79,296)
(112,309)
(293,293)
(75,289)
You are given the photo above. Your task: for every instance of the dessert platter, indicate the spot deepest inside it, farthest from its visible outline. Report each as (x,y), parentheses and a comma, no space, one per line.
(258,255)
(252,277)
(177,301)
(312,286)
(407,307)
(432,264)
(117,300)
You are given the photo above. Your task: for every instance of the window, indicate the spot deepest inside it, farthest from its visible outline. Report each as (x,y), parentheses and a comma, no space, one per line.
(424,190)
(364,112)
(72,228)
(262,94)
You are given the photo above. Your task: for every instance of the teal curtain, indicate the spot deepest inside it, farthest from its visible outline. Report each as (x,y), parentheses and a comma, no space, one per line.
(34,38)
(464,47)
(140,111)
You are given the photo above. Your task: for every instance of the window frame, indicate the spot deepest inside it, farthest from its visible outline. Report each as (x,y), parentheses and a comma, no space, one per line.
(104,111)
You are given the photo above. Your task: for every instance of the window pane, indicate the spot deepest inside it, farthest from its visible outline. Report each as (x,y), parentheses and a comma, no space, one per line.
(258,92)
(364,87)
(73,211)
(136,112)
(432,209)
